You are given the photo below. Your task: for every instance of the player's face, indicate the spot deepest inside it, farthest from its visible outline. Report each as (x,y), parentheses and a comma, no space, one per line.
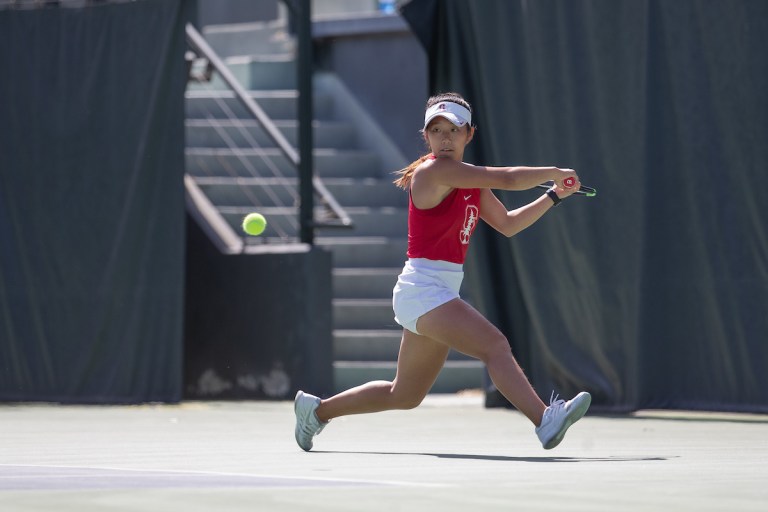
(445,139)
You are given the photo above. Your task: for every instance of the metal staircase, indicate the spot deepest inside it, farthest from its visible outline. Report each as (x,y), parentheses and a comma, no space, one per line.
(236,166)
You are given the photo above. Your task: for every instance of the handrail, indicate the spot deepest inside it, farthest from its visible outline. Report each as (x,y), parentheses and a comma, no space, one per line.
(198,43)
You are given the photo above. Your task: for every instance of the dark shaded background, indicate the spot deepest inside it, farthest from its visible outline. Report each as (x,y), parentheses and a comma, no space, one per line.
(92,222)
(654,293)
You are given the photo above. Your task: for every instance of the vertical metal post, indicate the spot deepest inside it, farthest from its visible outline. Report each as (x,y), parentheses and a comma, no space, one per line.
(303,20)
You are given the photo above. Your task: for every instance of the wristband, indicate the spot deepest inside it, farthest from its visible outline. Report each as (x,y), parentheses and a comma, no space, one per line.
(553,196)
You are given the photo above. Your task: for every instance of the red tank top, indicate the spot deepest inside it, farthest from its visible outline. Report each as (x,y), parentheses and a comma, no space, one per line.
(443,232)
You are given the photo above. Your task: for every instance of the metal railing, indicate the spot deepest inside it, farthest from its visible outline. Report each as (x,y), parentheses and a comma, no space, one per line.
(309,185)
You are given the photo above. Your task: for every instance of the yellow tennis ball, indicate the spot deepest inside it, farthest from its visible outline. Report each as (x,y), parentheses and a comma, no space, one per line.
(254,224)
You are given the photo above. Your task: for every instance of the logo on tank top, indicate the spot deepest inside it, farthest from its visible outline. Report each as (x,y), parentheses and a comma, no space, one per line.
(470,219)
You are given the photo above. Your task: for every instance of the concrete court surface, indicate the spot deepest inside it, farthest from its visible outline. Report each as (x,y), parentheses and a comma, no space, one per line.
(449,454)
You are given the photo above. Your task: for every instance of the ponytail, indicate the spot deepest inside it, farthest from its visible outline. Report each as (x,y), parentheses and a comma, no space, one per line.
(405,174)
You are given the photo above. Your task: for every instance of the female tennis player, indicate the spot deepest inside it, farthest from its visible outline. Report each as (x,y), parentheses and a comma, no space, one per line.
(447,197)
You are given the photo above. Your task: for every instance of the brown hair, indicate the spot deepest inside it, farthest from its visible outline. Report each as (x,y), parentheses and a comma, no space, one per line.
(404,175)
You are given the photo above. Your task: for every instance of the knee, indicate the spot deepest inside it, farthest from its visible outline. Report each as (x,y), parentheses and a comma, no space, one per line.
(402,399)
(411,402)
(496,347)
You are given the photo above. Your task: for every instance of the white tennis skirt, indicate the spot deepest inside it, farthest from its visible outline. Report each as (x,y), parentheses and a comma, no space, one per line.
(422,286)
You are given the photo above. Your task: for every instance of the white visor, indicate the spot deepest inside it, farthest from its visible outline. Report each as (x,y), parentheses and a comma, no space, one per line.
(453,112)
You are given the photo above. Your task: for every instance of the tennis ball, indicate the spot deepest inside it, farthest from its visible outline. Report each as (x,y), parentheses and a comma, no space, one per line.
(254,224)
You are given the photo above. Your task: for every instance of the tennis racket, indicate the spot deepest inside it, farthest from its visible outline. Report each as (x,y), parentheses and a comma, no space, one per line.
(568,182)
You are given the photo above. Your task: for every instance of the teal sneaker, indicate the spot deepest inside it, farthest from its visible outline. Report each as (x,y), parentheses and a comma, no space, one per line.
(307,424)
(559,416)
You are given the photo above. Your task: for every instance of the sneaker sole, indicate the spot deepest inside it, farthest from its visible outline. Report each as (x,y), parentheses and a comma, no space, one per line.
(572,418)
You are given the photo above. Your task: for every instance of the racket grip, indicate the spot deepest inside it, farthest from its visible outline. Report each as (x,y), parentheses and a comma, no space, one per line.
(569,182)
(583,190)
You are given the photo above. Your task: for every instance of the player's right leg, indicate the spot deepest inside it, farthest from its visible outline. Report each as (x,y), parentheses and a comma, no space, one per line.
(460,326)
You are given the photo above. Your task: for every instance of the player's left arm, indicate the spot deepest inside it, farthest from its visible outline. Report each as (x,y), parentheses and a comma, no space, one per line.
(509,223)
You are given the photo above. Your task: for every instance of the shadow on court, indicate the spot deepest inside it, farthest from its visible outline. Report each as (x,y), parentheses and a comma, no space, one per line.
(502,458)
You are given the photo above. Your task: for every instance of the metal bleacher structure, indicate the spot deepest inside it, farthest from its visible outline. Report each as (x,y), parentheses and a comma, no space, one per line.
(235,166)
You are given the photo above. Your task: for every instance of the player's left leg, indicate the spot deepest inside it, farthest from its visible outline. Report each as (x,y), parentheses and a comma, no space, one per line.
(418,365)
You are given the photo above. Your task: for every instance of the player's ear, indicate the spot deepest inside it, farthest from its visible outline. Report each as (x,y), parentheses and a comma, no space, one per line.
(471,134)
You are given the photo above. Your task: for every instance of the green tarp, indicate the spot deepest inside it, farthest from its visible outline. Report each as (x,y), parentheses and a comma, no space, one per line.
(655,292)
(92,218)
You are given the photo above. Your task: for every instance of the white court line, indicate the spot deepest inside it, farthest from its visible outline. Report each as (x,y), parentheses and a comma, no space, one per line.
(213,473)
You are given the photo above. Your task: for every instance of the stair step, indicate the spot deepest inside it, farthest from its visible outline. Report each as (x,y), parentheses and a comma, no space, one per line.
(455,375)
(336,9)
(366,251)
(270,162)
(363,314)
(362,283)
(374,345)
(277,104)
(280,191)
(347,251)
(249,38)
(250,192)
(222,133)
(255,72)
(366,344)
(367,192)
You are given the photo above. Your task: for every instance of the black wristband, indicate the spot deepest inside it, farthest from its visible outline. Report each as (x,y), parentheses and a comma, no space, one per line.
(553,196)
